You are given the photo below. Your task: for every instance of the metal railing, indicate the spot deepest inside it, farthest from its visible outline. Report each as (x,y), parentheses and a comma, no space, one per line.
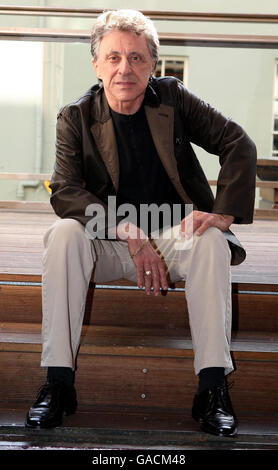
(172,39)
(153,14)
(166,39)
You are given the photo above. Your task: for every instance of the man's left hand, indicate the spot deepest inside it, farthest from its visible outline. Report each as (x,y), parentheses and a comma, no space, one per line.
(198,222)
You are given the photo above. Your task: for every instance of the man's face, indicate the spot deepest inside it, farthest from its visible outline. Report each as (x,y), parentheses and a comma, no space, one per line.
(124,65)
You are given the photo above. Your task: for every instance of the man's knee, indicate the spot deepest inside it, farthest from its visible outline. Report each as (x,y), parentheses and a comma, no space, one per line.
(63,231)
(212,243)
(212,237)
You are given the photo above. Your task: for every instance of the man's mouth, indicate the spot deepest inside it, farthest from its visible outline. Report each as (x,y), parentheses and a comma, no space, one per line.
(125,84)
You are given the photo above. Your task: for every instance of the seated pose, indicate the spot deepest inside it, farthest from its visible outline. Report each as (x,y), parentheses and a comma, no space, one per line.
(123,146)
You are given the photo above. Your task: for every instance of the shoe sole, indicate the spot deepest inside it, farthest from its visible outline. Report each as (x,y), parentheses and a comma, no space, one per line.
(209,430)
(42,426)
(214,433)
(50,425)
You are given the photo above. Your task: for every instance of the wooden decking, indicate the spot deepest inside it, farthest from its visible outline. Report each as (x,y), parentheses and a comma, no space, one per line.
(21,245)
(135,380)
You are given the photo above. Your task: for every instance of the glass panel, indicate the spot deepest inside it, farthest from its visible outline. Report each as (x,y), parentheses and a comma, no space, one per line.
(275,143)
(276,115)
(276,82)
(170,67)
(158,69)
(175,68)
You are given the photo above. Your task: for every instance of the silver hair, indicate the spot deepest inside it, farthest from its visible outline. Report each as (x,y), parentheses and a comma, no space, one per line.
(124,20)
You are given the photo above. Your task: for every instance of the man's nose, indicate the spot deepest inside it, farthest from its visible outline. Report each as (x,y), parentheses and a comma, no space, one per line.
(124,66)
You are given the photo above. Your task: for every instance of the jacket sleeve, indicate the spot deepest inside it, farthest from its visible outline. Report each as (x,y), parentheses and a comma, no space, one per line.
(237,154)
(70,197)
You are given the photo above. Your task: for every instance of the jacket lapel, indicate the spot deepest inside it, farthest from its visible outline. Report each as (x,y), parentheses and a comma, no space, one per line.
(161,123)
(105,139)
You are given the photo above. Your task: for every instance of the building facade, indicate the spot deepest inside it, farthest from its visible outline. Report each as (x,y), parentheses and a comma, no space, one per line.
(38,77)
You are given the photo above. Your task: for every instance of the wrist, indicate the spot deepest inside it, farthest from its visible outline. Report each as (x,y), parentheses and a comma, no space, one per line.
(134,251)
(128,231)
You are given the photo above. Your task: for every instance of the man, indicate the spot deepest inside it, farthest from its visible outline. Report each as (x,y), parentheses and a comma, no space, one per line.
(129,138)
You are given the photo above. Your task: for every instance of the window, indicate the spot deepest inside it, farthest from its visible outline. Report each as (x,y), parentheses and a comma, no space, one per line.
(275,115)
(172,66)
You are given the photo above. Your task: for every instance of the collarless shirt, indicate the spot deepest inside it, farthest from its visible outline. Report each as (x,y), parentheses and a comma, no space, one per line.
(142,177)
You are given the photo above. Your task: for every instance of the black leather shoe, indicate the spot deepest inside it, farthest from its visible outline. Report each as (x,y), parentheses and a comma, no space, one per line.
(212,408)
(52,402)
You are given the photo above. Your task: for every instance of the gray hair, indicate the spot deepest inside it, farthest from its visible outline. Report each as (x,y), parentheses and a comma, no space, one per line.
(124,20)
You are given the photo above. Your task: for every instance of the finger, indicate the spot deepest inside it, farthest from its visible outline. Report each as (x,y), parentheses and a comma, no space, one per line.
(148,279)
(140,275)
(162,276)
(197,222)
(156,283)
(207,222)
(198,219)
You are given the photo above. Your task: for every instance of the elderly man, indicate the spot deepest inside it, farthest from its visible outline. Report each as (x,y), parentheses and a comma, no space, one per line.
(127,140)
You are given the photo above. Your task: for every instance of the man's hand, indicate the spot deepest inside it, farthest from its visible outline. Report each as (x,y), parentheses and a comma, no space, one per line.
(148,260)
(198,222)
(145,258)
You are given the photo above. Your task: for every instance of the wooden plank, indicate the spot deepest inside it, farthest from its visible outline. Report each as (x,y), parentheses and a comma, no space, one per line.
(137,341)
(20,304)
(101,417)
(30,206)
(143,381)
(104,306)
(141,368)
(255,312)
(102,340)
(13,278)
(125,283)
(259,183)
(44,207)
(255,307)
(88,421)
(25,231)
(137,432)
(25,176)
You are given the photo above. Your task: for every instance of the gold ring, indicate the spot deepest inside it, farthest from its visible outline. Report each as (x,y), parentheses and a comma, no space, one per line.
(148,273)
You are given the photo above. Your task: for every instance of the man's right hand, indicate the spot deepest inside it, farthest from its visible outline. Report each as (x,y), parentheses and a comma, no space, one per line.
(145,258)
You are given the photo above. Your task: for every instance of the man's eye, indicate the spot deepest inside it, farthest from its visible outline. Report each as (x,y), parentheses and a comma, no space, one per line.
(135,58)
(113,58)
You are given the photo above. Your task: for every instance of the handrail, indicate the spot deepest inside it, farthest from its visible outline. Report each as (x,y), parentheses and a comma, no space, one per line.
(153,14)
(166,39)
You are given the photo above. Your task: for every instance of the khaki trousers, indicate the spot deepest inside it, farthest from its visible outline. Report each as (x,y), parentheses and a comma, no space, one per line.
(70,260)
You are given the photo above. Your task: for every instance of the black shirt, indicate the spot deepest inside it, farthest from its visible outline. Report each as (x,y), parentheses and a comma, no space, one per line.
(143,179)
